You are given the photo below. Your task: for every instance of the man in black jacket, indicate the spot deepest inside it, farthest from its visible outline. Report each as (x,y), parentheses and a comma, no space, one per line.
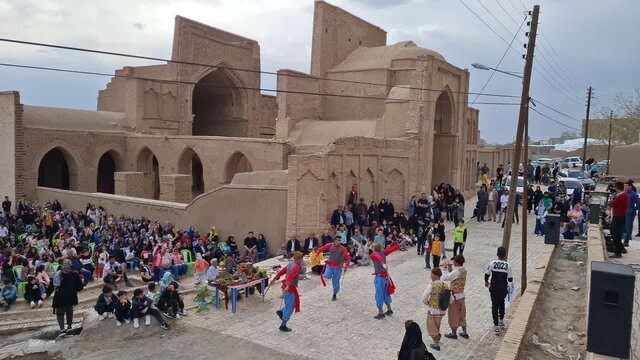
(310,243)
(293,245)
(337,217)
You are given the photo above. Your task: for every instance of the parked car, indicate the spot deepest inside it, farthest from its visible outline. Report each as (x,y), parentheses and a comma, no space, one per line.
(583,176)
(519,187)
(572,184)
(573,161)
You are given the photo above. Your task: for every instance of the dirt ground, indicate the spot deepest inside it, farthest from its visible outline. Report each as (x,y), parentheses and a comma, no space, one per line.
(558,320)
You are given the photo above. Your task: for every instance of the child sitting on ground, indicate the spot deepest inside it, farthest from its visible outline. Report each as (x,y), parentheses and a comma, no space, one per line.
(8,294)
(123,308)
(152,293)
(201,268)
(32,292)
(143,306)
(106,303)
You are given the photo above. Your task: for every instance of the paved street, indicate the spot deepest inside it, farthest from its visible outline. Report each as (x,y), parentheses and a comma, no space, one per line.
(346,328)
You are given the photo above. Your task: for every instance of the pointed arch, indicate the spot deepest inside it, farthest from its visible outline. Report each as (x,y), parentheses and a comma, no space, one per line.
(147,163)
(308,198)
(395,188)
(58,169)
(110,162)
(367,186)
(334,191)
(236,163)
(189,163)
(444,138)
(218,104)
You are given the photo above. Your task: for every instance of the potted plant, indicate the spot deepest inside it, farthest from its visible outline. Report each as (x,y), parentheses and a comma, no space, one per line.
(202,295)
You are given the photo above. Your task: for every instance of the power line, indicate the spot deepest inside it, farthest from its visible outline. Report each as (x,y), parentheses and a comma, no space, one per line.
(506,12)
(112,53)
(495,18)
(552,64)
(486,24)
(568,71)
(554,86)
(219,86)
(499,62)
(554,120)
(555,80)
(538,102)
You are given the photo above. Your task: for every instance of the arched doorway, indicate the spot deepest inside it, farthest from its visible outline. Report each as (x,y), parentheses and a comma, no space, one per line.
(237,163)
(105,182)
(190,164)
(57,169)
(218,106)
(148,164)
(443,140)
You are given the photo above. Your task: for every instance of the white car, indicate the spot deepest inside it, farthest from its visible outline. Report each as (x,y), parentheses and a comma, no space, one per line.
(520,184)
(573,161)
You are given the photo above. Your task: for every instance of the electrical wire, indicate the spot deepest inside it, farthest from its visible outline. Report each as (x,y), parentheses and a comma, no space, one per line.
(499,62)
(554,120)
(219,86)
(538,102)
(112,53)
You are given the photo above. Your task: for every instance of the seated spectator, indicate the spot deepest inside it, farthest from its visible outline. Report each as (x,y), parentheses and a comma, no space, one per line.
(316,261)
(567,234)
(233,246)
(170,302)
(230,265)
(152,293)
(131,256)
(212,272)
(263,248)
(114,272)
(8,294)
(201,266)
(145,272)
(251,247)
(123,308)
(357,236)
(577,218)
(326,238)
(43,280)
(142,306)
(178,267)
(106,303)
(292,246)
(32,292)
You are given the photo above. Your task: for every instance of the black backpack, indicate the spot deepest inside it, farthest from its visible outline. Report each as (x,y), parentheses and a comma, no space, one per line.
(444,300)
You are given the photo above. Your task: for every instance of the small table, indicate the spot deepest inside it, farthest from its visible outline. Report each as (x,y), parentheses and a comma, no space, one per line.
(234,290)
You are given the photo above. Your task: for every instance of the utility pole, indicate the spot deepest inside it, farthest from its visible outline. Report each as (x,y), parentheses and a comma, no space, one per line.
(524,108)
(609,142)
(586,129)
(525,204)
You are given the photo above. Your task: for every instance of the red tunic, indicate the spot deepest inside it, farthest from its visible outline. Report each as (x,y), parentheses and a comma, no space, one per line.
(377,258)
(289,281)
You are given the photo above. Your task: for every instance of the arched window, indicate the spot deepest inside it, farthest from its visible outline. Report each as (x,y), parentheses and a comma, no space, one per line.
(190,164)
(57,169)
(237,163)
(105,182)
(147,163)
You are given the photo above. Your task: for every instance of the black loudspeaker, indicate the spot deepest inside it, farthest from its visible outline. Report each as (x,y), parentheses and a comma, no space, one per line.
(610,309)
(594,215)
(551,229)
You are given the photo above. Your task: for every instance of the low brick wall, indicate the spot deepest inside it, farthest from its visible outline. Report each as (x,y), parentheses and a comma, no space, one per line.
(510,346)
(596,252)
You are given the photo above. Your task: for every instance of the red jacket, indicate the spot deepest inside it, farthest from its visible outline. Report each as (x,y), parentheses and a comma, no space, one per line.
(620,204)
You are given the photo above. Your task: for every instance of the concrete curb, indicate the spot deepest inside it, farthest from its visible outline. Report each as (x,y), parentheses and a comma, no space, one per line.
(596,252)
(509,348)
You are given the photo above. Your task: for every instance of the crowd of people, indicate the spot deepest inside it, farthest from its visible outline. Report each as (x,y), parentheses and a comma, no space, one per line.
(42,244)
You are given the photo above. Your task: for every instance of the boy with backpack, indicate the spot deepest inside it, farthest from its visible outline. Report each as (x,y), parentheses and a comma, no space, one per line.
(436,296)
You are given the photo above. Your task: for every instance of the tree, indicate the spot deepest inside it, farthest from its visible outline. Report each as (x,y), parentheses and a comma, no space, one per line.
(625,125)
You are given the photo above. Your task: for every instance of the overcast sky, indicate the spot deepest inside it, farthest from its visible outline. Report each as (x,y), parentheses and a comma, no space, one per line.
(583,43)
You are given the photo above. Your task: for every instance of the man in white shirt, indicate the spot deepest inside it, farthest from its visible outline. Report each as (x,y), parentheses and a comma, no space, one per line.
(504,202)
(113,272)
(4,232)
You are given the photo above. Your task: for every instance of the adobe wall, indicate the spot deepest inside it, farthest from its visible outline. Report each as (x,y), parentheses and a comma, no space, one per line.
(318,183)
(336,33)
(625,161)
(10,114)
(297,101)
(261,208)
(353,108)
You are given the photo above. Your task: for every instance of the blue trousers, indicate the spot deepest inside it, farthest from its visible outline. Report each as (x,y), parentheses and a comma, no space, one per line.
(289,305)
(539,227)
(382,295)
(628,225)
(334,275)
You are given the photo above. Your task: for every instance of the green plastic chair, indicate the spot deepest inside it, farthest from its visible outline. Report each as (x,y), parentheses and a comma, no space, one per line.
(188,259)
(21,285)
(21,237)
(53,267)
(92,247)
